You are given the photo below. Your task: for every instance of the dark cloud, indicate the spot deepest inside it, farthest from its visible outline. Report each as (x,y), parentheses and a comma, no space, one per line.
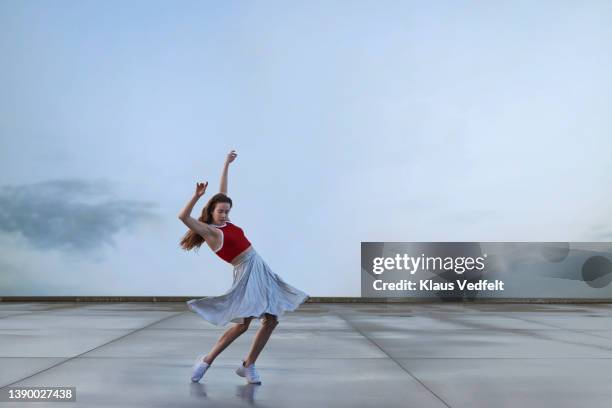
(71,214)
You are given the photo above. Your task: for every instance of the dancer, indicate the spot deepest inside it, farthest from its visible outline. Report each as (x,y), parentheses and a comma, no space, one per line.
(256,290)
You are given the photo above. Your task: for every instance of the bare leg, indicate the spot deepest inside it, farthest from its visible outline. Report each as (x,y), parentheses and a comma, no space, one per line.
(226,339)
(261,338)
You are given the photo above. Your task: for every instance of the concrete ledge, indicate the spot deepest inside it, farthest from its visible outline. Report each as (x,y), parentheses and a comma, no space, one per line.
(310,300)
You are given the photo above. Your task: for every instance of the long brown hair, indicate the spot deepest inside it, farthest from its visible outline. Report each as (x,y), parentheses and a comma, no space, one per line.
(192,239)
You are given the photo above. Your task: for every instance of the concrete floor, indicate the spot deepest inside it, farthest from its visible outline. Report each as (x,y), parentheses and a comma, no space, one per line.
(323,355)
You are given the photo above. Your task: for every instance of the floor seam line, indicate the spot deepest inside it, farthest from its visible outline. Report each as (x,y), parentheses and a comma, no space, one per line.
(89,351)
(40,311)
(391,358)
(562,328)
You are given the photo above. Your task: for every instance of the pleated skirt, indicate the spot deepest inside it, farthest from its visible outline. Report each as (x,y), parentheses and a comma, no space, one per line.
(256,290)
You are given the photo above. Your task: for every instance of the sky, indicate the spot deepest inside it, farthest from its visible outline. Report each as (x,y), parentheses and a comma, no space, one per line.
(394,121)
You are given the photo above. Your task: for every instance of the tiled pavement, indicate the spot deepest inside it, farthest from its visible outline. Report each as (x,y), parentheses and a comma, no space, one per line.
(323,355)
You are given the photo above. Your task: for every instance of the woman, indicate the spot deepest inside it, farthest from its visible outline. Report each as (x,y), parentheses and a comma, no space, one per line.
(256,290)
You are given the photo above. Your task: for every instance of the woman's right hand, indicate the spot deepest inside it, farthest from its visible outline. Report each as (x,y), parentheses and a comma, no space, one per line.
(201,189)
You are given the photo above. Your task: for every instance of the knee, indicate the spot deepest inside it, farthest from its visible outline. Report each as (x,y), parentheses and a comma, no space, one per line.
(270,321)
(242,327)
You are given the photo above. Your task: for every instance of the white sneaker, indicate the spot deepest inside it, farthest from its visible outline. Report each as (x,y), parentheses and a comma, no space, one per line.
(199,368)
(249,372)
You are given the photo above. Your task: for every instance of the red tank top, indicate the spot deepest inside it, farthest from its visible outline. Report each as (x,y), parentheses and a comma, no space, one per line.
(233,241)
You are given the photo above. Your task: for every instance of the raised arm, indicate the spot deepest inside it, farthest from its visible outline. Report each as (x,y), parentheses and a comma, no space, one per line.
(198,227)
(230,158)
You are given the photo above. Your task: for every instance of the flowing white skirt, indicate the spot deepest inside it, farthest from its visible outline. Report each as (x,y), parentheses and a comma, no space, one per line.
(256,290)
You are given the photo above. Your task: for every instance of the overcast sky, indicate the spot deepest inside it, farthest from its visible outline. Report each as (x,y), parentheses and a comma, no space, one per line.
(353,121)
